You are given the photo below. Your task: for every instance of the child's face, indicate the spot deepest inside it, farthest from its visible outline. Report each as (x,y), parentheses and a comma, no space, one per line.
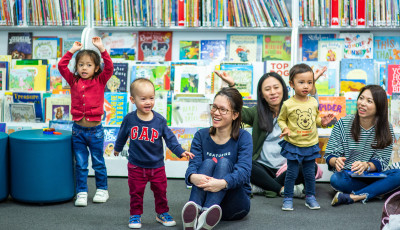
(143,98)
(302,83)
(86,67)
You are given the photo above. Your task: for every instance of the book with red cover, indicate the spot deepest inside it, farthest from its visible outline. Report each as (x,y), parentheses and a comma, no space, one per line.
(335,13)
(393,79)
(361,12)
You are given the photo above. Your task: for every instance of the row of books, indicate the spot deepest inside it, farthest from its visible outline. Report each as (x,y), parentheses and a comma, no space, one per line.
(43,13)
(355,13)
(192,13)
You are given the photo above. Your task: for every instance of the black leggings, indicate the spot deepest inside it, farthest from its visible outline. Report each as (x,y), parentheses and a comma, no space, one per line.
(265,177)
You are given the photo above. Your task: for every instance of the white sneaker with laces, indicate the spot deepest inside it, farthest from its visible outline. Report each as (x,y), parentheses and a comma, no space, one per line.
(255,189)
(101,196)
(298,191)
(81,199)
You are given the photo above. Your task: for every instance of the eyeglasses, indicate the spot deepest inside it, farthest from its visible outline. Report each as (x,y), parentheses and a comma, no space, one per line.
(222,111)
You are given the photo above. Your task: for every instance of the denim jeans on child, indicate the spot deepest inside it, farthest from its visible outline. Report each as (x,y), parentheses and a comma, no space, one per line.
(292,173)
(82,139)
(343,182)
(137,180)
(235,203)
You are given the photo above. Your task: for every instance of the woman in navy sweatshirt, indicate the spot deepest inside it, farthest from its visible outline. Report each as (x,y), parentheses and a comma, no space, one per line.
(220,171)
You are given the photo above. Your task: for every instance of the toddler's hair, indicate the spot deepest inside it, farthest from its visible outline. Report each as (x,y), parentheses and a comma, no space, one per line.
(299,68)
(137,81)
(95,58)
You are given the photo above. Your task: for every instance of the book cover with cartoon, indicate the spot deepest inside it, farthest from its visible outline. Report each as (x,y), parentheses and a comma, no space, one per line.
(20,45)
(212,50)
(121,45)
(358,69)
(35,98)
(243,76)
(155,46)
(276,47)
(358,45)
(189,50)
(21,79)
(118,81)
(310,45)
(328,82)
(243,48)
(160,75)
(330,49)
(386,48)
(393,79)
(115,108)
(332,105)
(191,112)
(184,137)
(60,112)
(46,47)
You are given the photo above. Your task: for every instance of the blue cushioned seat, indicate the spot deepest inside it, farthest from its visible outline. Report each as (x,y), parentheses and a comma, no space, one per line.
(3,166)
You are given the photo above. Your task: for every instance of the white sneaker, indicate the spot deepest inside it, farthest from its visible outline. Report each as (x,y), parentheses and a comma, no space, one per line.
(255,189)
(101,196)
(298,191)
(209,218)
(81,199)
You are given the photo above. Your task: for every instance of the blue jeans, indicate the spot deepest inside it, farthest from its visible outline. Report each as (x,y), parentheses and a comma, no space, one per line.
(82,138)
(372,187)
(293,171)
(235,203)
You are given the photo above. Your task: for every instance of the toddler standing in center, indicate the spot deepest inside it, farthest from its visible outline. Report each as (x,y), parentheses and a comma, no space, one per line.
(146,129)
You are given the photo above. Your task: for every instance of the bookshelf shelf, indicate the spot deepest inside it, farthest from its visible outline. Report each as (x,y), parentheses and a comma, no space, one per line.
(40,28)
(198,29)
(348,29)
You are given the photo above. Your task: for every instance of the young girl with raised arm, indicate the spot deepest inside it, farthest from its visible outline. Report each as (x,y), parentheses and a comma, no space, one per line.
(298,120)
(87,98)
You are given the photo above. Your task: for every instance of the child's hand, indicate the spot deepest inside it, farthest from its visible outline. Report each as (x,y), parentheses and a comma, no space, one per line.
(75,47)
(285,132)
(98,43)
(225,77)
(187,154)
(326,119)
(318,73)
(116,153)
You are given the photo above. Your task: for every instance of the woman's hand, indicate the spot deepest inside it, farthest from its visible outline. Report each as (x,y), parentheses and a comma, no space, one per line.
(213,185)
(339,163)
(75,47)
(98,43)
(225,77)
(359,167)
(199,179)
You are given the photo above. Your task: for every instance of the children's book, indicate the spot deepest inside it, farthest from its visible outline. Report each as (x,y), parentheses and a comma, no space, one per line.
(55,78)
(328,82)
(35,98)
(276,47)
(189,50)
(358,45)
(330,49)
(280,67)
(61,125)
(118,81)
(20,45)
(173,64)
(68,43)
(21,80)
(22,112)
(7,100)
(4,74)
(395,112)
(115,108)
(393,79)
(40,72)
(395,158)
(332,105)
(310,45)
(322,143)
(45,47)
(159,74)
(358,69)
(351,106)
(386,48)
(184,137)
(121,45)
(351,85)
(110,136)
(191,112)
(243,48)
(243,76)
(212,50)
(155,46)
(189,79)
(58,108)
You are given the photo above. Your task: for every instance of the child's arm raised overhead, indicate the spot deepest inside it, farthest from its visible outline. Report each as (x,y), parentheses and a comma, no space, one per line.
(63,63)
(108,65)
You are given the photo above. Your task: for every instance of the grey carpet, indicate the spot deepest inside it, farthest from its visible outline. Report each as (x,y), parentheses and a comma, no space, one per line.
(265,212)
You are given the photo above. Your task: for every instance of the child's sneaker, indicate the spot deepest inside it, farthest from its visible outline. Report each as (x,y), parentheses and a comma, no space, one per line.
(165,219)
(135,221)
(287,204)
(209,218)
(81,199)
(101,196)
(341,198)
(255,189)
(189,215)
(312,203)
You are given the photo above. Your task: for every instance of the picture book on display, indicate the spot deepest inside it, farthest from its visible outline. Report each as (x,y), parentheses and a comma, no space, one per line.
(185,137)
(55,78)
(328,82)
(358,45)
(280,67)
(330,49)
(35,98)
(159,74)
(39,67)
(332,105)
(395,158)
(243,48)
(4,74)
(115,108)
(45,47)
(395,112)
(243,76)
(393,79)
(189,79)
(276,47)
(20,45)
(68,43)
(58,108)
(121,45)
(110,136)
(386,48)
(22,112)
(191,112)
(155,46)
(118,81)
(310,45)
(351,106)
(189,50)
(212,50)
(362,69)
(21,80)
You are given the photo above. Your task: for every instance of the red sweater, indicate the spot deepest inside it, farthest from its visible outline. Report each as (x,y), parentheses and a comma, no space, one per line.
(87,95)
